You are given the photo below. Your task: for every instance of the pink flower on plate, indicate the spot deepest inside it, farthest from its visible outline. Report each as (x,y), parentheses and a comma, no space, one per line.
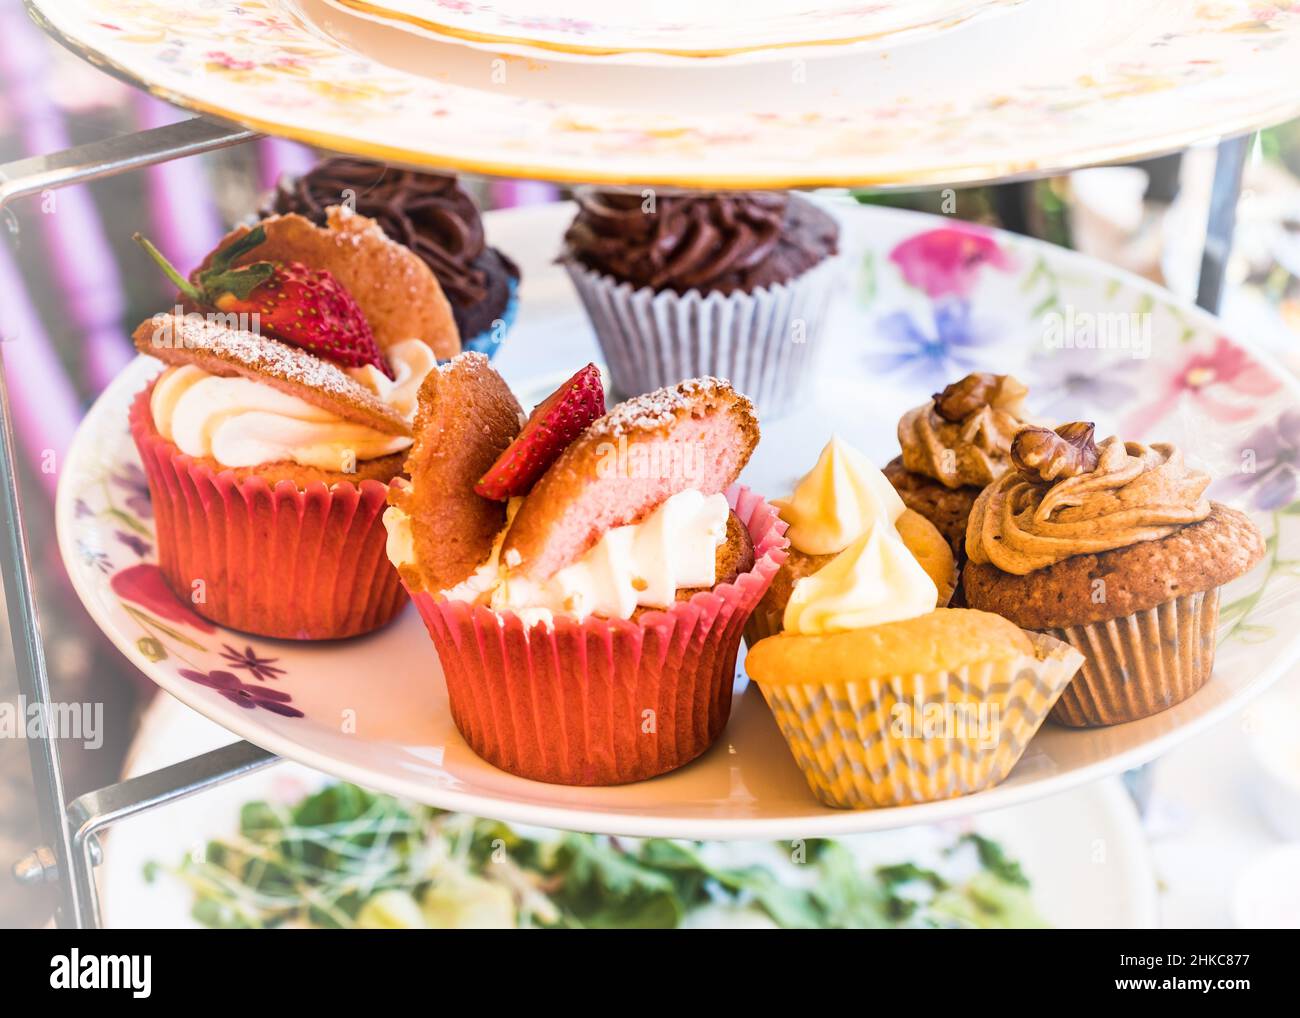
(1205,379)
(145,585)
(947,261)
(230,63)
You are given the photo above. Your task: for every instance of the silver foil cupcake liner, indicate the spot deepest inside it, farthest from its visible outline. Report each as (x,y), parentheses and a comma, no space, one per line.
(764,342)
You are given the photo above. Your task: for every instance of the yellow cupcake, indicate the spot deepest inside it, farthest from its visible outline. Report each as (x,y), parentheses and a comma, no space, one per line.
(912,710)
(947,639)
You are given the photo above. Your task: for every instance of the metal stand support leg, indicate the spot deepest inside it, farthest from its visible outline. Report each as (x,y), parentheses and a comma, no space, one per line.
(1229,163)
(70,829)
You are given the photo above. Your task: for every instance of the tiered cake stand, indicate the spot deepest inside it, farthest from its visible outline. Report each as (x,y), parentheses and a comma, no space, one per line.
(614,152)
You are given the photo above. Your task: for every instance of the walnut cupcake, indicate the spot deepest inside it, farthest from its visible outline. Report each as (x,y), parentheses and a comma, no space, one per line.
(834,506)
(1114,548)
(954,445)
(734,285)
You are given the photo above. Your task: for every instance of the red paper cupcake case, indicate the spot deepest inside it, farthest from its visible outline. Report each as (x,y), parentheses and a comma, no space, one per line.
(602,701)
(283,562)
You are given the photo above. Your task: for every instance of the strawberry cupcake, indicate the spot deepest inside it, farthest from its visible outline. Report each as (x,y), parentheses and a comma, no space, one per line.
(734,285)
(585,576)
(293,363)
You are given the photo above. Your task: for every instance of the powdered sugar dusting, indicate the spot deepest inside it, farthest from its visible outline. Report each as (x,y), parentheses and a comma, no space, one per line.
(656,410)
(196,339)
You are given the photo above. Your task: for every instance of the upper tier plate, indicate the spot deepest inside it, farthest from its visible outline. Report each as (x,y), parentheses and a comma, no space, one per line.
(674,30)
(1051,85)
(906,320)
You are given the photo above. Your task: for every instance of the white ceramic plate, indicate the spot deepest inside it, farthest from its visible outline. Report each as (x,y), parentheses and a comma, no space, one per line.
(1084,852)
(1089,83)
(919,306)
(673,30)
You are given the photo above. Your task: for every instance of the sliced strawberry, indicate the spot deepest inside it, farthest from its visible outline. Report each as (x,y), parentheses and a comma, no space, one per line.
(553,424)
(301,306)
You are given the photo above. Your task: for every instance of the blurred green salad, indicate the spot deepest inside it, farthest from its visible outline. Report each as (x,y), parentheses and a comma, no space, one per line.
(346,857)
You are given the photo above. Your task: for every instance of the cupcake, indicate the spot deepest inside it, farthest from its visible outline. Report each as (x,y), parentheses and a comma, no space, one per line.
(432,215)
(954,445)
(886,701)
(734,285)
(283,414)
(1115,548)
(837,503)
(584,577)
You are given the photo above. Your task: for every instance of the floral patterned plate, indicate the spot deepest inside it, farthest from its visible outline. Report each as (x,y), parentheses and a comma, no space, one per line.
(1091,82)
(673,29)
(923,300)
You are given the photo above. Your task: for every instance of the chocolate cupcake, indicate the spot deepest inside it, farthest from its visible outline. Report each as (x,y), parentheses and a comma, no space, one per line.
(432,215)
(733,285)
(1115,549)
(954,446)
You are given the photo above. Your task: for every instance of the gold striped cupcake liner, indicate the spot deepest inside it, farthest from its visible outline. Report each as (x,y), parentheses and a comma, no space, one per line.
(903,739)
(1140,664)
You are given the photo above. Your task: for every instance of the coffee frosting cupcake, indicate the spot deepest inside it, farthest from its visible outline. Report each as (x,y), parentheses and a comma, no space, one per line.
(432,215)
(956,444)
(1115,548)
(733,285)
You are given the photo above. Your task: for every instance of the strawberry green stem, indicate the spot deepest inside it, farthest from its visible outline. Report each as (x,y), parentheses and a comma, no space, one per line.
(182,284)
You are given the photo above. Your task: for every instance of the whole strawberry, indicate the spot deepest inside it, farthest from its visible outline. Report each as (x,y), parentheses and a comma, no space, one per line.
(303,307)
(553,424)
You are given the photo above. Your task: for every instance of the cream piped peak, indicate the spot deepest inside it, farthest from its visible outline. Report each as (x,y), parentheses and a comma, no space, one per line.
(837,501)
(872,581)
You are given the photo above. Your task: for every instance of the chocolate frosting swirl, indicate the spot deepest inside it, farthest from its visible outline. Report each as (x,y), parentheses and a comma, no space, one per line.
(428,212)
(974,451)
(1137,493)
(713,242)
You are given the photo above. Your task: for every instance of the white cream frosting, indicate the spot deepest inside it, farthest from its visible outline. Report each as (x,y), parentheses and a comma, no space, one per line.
(872,581)
(640,565)
(240,422)
(837,501)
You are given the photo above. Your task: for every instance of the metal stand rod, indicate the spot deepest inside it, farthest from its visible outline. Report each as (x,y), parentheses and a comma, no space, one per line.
(17,179)
(116,155)
(1229,163)
(94,811)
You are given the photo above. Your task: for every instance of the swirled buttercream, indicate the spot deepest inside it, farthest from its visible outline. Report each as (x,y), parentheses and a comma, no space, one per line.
(972,451)
(872,581)
(240,422)
(837,501)
(1136,493)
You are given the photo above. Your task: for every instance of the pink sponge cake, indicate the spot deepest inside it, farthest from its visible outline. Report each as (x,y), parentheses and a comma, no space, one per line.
(594,639)
(697,435)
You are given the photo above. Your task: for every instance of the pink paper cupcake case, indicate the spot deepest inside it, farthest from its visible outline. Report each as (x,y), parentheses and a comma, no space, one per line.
(602,701)
(277,561)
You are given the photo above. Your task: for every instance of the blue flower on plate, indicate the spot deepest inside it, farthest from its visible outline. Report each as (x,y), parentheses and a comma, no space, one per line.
(951,347)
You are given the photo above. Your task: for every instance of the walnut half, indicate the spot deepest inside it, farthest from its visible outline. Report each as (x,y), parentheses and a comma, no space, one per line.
(974,392)
(1044,456)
